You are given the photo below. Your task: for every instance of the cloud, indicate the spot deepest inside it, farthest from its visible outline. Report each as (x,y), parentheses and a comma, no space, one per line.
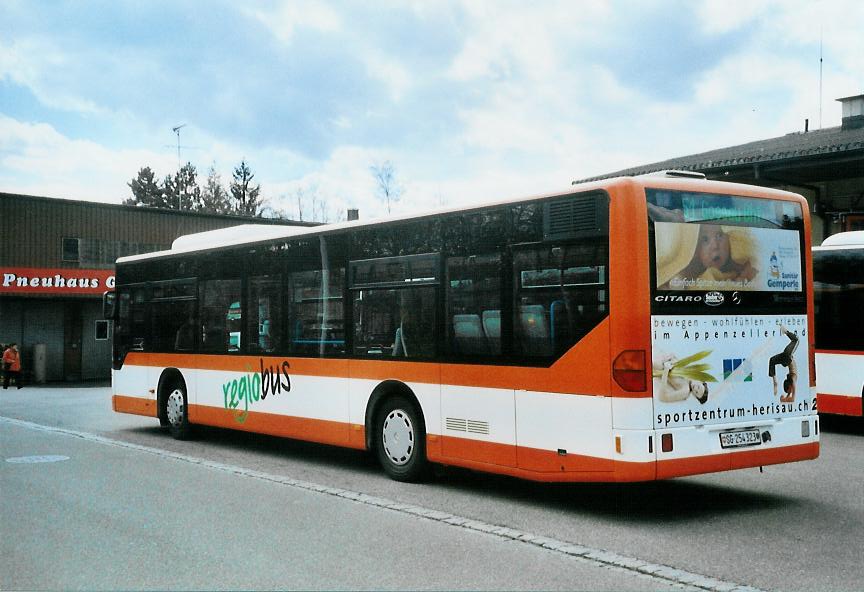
(284,21)
(510,41)
(29,62)
(470,100)
(39,160)
(389,71)
(723,16)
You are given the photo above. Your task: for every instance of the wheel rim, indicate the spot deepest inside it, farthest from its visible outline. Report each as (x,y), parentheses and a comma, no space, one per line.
(398,437)
(174,407)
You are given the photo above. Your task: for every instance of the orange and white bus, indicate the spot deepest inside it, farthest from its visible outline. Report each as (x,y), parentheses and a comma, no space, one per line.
(628,329)
(838,281)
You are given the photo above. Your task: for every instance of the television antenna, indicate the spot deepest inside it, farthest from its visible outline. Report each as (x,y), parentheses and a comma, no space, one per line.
(176,130)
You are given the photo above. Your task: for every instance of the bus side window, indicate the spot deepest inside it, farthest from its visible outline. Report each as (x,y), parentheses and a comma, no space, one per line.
(130,327)
(316,315)
(395,322)
(264,315)
(474,305)
(220,315)
(394,304)
(560,296)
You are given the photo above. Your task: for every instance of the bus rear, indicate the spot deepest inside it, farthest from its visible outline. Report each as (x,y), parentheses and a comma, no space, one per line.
(731,338)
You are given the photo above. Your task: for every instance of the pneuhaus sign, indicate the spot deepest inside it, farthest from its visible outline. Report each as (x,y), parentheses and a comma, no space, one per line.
(22,280)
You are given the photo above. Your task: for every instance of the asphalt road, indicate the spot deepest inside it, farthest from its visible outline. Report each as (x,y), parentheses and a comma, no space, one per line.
(131,508)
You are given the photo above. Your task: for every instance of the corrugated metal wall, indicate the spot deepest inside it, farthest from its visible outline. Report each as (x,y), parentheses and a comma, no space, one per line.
(32,230)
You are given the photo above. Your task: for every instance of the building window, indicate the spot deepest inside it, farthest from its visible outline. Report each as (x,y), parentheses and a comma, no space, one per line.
(101,330)
(70,250)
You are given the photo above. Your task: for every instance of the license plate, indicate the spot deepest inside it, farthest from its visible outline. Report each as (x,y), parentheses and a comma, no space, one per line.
(739,438)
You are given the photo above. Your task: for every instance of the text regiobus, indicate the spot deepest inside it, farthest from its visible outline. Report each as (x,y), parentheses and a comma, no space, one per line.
(629,329)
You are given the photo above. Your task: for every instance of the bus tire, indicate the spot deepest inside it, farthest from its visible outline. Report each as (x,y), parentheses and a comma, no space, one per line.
(400,440)
(177,411)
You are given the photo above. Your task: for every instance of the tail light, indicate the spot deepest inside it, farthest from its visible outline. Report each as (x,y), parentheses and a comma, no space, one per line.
(666,443)
(628,370)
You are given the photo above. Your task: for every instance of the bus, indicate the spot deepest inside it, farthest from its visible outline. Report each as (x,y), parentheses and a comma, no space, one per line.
(629,329)
(838,282)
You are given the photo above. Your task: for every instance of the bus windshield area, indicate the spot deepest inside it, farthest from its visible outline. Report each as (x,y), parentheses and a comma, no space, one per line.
(838,288)
(707,242)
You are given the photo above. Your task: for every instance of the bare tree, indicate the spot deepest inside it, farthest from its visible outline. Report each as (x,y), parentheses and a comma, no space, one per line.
(299,195)
(311,205)
(389,189)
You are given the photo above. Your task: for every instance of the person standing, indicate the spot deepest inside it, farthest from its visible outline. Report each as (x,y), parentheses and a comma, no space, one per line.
(12,365)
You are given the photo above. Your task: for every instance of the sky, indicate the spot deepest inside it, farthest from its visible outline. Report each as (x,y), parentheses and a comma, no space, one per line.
(470,101)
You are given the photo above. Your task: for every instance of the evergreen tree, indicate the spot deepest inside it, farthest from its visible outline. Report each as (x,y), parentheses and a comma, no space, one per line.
(181,190)
(245,195)
(214,198)
(146,190)
(170,192)
(187,186)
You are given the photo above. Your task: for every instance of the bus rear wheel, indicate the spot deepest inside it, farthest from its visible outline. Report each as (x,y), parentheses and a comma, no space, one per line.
(401,440)
(176,412)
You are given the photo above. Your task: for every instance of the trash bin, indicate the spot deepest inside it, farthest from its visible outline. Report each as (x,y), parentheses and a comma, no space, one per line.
(39,363)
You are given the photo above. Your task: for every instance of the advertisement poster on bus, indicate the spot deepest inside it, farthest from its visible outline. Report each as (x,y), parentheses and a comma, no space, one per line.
(713,369)
(720,257)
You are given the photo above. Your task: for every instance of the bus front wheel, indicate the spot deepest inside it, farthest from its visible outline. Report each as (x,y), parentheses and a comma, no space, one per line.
(401,440)
(176,412)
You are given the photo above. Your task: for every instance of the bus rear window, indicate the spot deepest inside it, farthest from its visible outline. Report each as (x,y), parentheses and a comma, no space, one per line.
(725,243)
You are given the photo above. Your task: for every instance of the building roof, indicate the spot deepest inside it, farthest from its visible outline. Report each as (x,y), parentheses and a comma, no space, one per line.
(58,201)
(794,146)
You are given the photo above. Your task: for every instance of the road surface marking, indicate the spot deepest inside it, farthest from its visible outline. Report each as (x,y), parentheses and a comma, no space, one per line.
(32,460)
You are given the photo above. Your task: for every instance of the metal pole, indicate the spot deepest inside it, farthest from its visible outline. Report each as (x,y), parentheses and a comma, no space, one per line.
(179,165)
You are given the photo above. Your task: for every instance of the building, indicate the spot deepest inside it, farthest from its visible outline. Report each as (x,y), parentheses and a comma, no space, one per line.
(826,166)
(56,260)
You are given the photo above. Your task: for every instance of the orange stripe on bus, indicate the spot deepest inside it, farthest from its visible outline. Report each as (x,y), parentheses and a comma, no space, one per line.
(840,404)
(134,405)
(550,461)
(477,450)
(531,463)
(300,428)
(743,459)
(585,369)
